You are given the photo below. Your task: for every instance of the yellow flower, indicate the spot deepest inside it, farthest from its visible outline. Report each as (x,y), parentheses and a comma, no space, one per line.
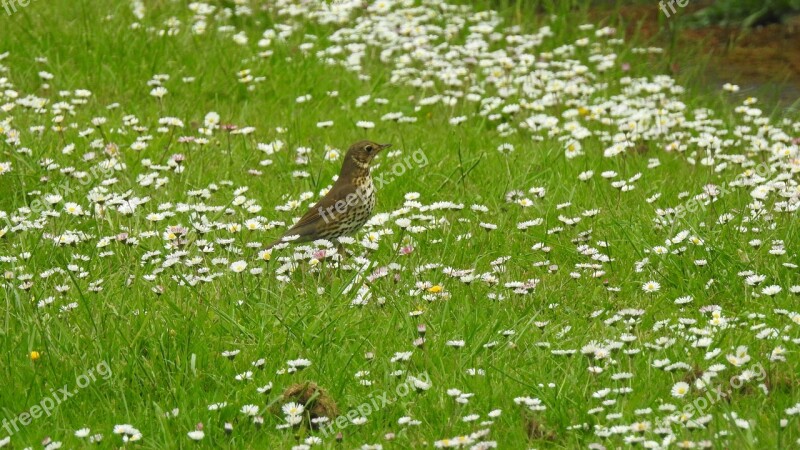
(435,289)
(583,111)
(35,355)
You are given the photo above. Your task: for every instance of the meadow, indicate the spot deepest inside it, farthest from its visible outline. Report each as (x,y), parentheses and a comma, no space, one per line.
(571,249)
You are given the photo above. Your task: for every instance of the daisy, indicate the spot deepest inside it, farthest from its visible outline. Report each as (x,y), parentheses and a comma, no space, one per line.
(196,435)
(651,287)
(401,356)
(771,290)
(230,354)
(300,363)
(158,92)
(238,266)
(505,149)
(292,409)
(730,87)
(753,280)
(293,420)
(680,389)
(332,154)
(248,375)
(249,410)
(73,209)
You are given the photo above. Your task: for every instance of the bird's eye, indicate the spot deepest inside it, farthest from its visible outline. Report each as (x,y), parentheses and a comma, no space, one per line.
(368,148)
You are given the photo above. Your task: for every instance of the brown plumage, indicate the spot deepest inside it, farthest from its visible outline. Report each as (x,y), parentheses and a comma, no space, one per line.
(349,203)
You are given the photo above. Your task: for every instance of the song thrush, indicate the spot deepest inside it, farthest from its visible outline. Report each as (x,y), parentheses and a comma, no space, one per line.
(349,203)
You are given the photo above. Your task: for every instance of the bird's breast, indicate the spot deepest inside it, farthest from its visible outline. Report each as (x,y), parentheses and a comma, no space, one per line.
(366,192)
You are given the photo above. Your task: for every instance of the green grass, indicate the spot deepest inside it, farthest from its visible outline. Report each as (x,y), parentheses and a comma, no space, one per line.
(163,349)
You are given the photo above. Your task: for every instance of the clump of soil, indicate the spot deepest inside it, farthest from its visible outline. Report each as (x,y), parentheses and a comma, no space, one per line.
(536,431)
(317,402)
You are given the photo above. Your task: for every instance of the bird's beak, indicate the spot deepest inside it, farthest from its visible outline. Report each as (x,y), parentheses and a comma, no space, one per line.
(383,146)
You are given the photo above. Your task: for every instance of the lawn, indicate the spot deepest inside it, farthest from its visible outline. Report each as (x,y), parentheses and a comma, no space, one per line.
(571,249)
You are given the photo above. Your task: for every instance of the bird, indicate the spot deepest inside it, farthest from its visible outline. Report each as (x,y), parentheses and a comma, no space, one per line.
(348,204)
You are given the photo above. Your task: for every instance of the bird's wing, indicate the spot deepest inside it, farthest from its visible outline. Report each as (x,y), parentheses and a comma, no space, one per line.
(324,210)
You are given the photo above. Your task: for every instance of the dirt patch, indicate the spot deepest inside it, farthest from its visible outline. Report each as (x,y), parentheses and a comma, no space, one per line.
(764,61)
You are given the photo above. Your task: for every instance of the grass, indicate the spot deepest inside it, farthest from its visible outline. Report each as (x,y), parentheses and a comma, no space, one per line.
(162,338)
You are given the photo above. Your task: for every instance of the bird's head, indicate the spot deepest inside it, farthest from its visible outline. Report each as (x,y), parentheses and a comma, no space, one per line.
(362,152)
